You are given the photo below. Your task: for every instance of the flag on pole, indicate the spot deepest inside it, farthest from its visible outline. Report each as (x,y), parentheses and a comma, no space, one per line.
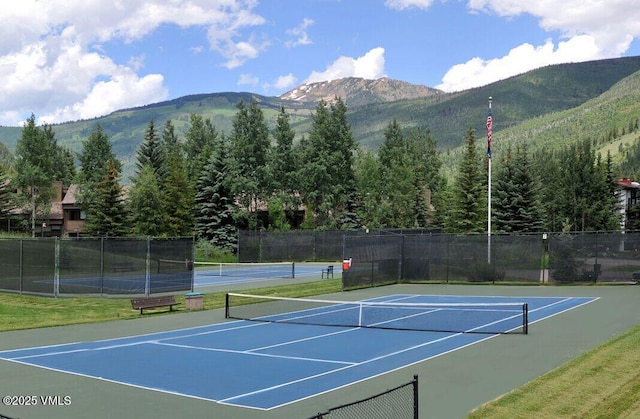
(489,132)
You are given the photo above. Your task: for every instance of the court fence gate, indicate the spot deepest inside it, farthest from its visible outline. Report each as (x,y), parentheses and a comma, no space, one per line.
(397,403)
(105,266)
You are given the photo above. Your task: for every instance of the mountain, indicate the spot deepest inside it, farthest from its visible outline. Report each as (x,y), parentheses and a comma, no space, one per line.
(358,92)
(519,103)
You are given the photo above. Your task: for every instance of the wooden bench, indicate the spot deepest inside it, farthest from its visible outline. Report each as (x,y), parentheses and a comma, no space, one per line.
(151,302)
(327,272)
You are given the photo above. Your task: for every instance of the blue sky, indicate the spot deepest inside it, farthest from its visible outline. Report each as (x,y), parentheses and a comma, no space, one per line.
(65,60)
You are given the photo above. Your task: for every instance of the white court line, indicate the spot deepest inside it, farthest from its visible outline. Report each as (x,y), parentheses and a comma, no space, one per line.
(337,370)
(227,400)
(233,351)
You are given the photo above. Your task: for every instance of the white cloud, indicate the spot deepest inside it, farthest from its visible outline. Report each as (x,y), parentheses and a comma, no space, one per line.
(285,82)
(408,4)
(613,23)
(248,80)
(107,96)
(369,66)
(478,72)
(300,32)
(52,59)
(589,31)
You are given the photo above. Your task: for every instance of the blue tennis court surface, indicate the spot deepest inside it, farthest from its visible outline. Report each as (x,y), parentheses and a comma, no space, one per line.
(209,276)
(266,365)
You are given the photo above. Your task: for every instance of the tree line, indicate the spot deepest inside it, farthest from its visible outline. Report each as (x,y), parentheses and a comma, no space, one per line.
(210,184)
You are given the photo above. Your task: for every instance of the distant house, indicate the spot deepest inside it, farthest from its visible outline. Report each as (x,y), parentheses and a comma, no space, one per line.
(73,218)
(65,217)
(629,198)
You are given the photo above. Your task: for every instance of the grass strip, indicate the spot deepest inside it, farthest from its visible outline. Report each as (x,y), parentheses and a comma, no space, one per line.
(29,312)
(601,383)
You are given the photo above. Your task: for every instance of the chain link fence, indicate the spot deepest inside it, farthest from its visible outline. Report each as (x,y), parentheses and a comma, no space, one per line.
(422,255)
(398,403)
(104,266)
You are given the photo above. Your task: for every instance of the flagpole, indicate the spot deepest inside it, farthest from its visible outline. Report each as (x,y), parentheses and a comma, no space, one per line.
(489,135)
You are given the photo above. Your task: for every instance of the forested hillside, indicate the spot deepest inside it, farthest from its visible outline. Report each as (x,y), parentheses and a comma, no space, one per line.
(519,100)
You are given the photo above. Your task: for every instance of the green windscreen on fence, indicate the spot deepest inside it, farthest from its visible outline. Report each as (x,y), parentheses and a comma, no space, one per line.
(110,266)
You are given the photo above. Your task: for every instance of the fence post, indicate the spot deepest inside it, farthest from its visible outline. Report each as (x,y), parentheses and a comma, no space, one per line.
(400,259)
(101,266)
(147,276)
(21,252)
(415,397)
(56,267)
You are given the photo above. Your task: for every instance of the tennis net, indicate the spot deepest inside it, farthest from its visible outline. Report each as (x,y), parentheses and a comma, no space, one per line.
(490,318)
(250,270)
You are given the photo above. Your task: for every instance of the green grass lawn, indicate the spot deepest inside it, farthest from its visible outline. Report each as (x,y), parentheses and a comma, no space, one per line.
(29,312)
(603,383)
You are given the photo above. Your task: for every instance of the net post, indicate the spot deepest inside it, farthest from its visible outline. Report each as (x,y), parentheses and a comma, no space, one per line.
(226,306)
(525,318)
(293,269)
(415,397)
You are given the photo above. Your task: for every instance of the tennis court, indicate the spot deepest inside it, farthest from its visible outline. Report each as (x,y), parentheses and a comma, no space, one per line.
(212,274)
(269,363)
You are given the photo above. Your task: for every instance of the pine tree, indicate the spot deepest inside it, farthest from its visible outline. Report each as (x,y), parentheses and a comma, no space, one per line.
(468,209)
(411,174)
(373,209)
(281,173)
(145,199)
(248,149)
(151,152)
(215,209)
(327,177)
(282,163)
(398,178)
(178,197)
(198,145)
(95,158)
(516,205)
(107,214)
(62,162)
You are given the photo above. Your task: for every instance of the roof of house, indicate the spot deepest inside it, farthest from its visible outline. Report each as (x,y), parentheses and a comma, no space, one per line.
(628,183)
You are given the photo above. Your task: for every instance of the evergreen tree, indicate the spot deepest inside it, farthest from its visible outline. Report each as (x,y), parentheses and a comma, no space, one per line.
(327,177)
(411,169)
(428,179)
(63,166)
(151,152)
(516,205)
(170,139)
(198,145)
(107,214)
(398,178)
(178,197)
(547,168)
(95,158)
(215,209)
(145,198)
(468,208)
(373,209)
(249,146)
(281,159)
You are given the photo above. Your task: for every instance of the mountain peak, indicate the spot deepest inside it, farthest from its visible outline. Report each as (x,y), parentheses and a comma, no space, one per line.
(357,91)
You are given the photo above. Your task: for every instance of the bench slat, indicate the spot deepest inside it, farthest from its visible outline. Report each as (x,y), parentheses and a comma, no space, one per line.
(150,302)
